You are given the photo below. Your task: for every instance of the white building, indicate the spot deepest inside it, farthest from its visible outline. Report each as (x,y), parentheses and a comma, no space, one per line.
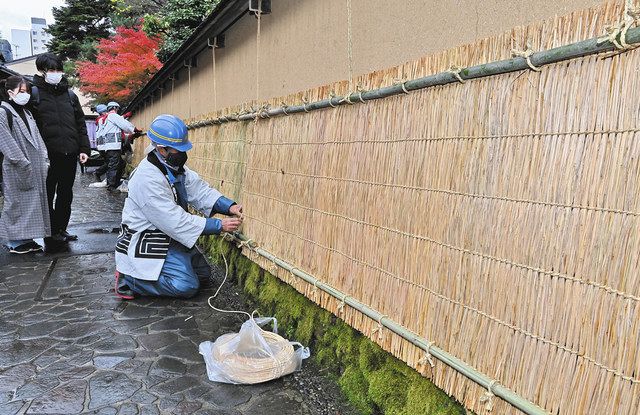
(30,42)
(21,43)
(39,38)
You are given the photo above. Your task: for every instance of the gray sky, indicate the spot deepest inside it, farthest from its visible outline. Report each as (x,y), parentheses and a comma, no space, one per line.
(17,14)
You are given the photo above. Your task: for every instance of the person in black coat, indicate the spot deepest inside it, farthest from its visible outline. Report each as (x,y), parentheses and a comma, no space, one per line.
(61,122)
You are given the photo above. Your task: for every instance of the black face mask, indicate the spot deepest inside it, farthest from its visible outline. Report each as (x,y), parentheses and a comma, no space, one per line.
(176,160)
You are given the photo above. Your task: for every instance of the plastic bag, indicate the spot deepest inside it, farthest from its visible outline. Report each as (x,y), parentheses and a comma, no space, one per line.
(252,355)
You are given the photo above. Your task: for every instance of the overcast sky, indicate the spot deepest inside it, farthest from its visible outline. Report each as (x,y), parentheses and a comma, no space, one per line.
(17,14)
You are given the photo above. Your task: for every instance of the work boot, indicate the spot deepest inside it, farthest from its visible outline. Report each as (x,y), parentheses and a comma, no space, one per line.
(26,248)
(122,290)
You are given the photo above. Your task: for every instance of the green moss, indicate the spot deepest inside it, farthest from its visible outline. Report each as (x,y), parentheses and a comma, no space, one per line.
(356,389)
(373,380)
(388,390)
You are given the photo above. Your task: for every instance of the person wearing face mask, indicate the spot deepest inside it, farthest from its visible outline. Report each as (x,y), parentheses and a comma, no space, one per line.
(25,213)
(61,122)
(111,133)
(155,251)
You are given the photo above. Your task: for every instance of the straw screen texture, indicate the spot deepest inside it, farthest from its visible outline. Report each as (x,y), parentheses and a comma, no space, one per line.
(497,218)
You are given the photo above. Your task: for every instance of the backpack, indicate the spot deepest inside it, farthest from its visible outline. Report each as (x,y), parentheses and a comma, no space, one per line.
(35,96)
(9,118)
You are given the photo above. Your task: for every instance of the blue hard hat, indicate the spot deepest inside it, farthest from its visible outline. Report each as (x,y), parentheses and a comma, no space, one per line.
(113,104)
(169,131)
(101,108)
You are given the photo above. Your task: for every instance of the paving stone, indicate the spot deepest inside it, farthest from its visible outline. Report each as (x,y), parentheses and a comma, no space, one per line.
(77,330)
(15,377)
(144,397)
(105,411)
(175,385)
(218,411)
(41,329)
(19,351)
(167,403)
(68,399)
(76,373)
(107,388)
(186,408)
(11,407)
(183,350)
(37,387)
(227,396)
(110,361)
(135,311)
(149,410)
(121,342)
(276,403)
(128,409)
(157,341)
(168,364)
(173,323)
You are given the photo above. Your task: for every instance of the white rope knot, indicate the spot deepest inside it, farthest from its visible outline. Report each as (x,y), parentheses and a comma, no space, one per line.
(292,276)
(526,54)
(342,304)
(427,358)
(360,89)
(619,31)
(487,397)
(332,95)
(274,266)
(401,82)
(314,292)
(284,107)
(227,237)
(305,102)
(455,71)
(380,327)
(246,243)
(347,98)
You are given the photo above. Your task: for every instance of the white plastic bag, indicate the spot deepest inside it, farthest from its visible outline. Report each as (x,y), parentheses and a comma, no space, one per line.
(252,355)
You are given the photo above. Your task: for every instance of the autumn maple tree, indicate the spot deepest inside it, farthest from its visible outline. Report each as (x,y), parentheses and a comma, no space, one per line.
(124,64)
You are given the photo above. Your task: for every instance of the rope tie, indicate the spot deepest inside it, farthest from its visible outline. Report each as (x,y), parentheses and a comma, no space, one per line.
(427,358)
(314,292)
(263,111)
(347,98)
(360,89)
(455,71)
(284,107)
(246,243)
(380,327)
(305,102)
(292,277)
(274,266)
(401,82)
(227,237)
(487,397)
(332,95)
(526,54)
(342,304)
(619,31)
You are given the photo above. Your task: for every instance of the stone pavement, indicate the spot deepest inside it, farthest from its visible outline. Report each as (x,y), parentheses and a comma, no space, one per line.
(68,345)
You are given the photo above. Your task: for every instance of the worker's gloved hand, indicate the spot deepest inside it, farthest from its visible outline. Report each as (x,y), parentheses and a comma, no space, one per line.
(236,210)
(231,224)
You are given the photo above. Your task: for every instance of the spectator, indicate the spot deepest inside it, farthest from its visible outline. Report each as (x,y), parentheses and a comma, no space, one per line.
(60,119)
(112,136)
(25,213)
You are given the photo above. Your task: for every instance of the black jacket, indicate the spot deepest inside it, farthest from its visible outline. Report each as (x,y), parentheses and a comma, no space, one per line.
(60,121)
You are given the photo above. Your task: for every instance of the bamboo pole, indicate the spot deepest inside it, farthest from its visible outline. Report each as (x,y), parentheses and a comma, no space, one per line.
(538,59)
(460,366)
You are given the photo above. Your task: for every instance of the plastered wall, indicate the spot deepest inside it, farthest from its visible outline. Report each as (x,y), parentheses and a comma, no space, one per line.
(303,44)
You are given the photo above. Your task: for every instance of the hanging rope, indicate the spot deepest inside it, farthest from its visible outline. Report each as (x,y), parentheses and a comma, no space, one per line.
(213,58)
(455,71)
(349,46)
(487,397)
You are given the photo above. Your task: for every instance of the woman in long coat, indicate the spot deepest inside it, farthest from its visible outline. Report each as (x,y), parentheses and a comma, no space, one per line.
(25,213)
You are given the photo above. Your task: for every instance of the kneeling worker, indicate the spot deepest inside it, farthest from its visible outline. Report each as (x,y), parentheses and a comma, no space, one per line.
(155,253)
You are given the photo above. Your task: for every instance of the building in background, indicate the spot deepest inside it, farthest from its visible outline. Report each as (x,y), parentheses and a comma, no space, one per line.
(21,43)
(5,51)
(30,42)
(39,37)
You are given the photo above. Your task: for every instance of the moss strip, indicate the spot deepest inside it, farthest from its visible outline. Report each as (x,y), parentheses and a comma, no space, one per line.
(374,381)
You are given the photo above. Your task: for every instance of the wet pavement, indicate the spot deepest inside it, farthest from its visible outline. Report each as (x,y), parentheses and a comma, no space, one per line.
(68,345)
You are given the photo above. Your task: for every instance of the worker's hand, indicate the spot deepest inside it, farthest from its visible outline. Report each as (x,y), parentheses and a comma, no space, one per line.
(236,210)
(231,224)
(83,158)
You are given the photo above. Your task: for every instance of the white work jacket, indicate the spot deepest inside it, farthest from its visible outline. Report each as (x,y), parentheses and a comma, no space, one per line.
(109,132)
(152,217)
